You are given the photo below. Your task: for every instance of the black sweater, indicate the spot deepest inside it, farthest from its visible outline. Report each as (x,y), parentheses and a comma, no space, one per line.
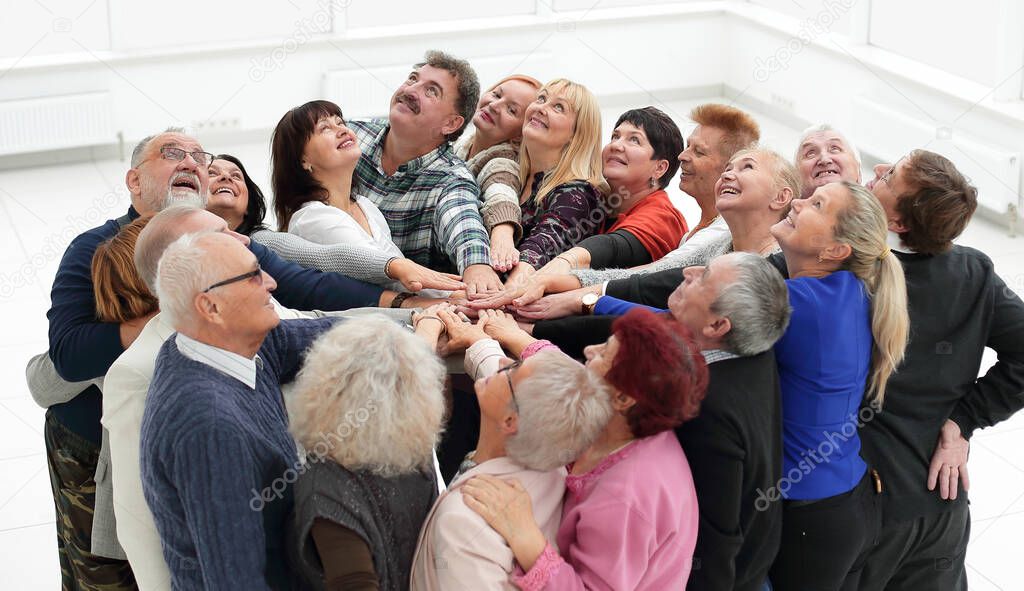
(735,452)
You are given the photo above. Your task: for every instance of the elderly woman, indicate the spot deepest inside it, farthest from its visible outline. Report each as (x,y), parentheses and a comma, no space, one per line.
(491,152)
(630,515)
(835,249)
(534,415)
(368,408)
(823,156)
(754,192)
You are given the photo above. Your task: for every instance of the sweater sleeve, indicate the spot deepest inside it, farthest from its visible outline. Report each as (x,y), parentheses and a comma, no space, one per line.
(309,289)
(574,333)
(357,262)
(81,347)
(1000,392)
(616,249)
(651,289)
(459,227)
(290,341)
(48,388)
(716,461)
(215,473)
(564,221)
(347,561)
(499,190)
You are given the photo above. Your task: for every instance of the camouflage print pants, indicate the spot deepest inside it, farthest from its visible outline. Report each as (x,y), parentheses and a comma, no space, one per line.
(72,464)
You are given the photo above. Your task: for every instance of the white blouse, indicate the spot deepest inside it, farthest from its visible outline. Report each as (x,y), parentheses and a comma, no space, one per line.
(325,224)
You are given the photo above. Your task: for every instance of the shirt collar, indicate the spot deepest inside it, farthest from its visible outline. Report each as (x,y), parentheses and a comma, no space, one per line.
(713,355)
(415,165)
(226,362)
(894,242)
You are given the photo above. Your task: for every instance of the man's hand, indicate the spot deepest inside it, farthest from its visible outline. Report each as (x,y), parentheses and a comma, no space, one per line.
(416,277)
(480,280)
(461,333)
(949,462)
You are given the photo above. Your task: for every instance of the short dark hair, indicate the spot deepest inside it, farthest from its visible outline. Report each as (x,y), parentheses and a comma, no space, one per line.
(938,204)
(662,133)
(467,83)
(256,210)
(659,365)
(294,185)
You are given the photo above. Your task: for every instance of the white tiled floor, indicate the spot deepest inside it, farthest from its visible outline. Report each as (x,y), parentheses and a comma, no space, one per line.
(41,209)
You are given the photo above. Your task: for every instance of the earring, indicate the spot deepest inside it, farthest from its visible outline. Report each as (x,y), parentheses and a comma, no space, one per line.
(652,182)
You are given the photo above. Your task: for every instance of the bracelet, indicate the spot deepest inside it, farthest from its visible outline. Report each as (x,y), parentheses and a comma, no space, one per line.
(397,302)
(387,267)
(417,324)
(572,265)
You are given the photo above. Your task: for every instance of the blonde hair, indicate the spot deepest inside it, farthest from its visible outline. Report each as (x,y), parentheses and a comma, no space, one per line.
(581,157)
(370,396)
(863,226)
(784,174)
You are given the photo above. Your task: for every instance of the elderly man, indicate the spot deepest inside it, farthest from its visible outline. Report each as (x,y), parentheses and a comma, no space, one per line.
(736,308)
(167,169)
(215,430)
(534,416)
(410,171)
(823,156)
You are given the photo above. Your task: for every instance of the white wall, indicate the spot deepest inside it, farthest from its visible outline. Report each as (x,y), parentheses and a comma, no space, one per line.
(896,74)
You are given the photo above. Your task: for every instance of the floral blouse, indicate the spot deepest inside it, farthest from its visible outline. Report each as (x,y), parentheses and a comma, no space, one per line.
(569,213)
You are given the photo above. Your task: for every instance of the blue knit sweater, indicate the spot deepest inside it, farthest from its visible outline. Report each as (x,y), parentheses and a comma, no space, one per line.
(217,461)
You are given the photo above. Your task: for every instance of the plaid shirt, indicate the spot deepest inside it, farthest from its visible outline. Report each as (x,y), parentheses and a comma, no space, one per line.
(431,203)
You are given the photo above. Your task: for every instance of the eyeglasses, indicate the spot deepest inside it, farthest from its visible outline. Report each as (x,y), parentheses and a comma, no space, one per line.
(885,178)
(507,370)
(177,155)
(258,272)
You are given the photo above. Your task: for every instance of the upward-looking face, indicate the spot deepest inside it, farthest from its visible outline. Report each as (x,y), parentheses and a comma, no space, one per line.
(889,184)
(701,163)
(229,197)
(330,148)
(426,102)
(501,111)
(628,159)
(691,302)
(550,120)
(243,300)
(600,357)
(747,184)
(825,157)
(496,393)
(810,226)
(161,180)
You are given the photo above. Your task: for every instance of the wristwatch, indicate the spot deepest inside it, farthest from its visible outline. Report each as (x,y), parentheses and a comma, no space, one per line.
(397,302)
(589,301)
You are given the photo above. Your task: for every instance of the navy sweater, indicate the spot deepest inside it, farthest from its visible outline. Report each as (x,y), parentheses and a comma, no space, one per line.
(83,348)
(217,462)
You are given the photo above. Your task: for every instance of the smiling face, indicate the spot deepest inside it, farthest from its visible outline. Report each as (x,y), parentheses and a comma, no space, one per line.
(331,147)
(747,184)
(628,159)
(691,302)
(600,357)
(159,181)
(889,190)
(809,229)
(825,157)
(701,163)
(550,120)
(244,308)
(501,111)
(229,197)
(425,103)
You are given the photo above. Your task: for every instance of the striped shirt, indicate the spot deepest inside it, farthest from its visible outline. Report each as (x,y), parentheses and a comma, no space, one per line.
(431,203)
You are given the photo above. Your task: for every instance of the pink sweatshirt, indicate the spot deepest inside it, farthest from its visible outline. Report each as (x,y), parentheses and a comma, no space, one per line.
(630,523)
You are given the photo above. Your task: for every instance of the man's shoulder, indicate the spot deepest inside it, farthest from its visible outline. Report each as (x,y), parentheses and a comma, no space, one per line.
(90,239)
(448,169)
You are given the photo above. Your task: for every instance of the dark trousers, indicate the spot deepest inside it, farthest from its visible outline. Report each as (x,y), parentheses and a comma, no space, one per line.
(72,463)
(463,428)
(825,542)
(921,554)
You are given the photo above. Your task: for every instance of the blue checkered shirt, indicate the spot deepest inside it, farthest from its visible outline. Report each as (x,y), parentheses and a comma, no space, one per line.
(432,203)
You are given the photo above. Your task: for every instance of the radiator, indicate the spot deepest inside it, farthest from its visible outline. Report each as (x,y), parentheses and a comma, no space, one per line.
(55,122)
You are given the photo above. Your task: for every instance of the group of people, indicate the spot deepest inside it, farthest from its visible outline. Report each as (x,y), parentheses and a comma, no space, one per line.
(778,397)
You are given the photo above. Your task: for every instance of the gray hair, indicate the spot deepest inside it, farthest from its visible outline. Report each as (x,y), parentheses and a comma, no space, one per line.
(563,407)
(821,127)
(370,396)
(756,304)
(140,148)
(467,84)
(185,269)
(154,239)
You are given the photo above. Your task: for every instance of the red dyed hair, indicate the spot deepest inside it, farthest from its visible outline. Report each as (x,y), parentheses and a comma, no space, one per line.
(659,365)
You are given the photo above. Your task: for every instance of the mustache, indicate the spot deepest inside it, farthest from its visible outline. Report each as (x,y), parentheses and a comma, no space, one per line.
(410,100)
